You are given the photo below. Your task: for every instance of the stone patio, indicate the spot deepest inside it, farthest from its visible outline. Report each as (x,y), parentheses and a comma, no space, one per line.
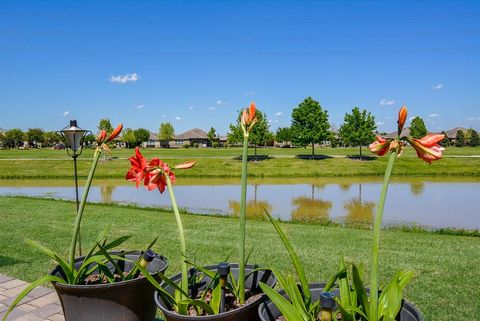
(40,305)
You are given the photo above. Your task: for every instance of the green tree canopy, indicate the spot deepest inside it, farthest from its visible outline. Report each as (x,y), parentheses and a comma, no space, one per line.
(417,128)
(283,134)
(474,138)
(166,132)
(128,136)
(141,135)
(51,138)
(259,135)
(105,125)
(460,139)
(358,128)
(309,124)
(212,134)
(2,139)
(35,136)
(13,138)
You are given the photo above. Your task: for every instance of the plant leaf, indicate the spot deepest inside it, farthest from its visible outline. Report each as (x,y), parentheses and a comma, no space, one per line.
(67,268)
(285,307)
(360,290)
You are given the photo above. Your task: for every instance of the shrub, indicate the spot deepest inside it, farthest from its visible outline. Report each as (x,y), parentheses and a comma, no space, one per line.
(186,145)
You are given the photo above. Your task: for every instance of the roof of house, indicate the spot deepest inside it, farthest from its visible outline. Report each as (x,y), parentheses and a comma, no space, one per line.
(192,133)
(452,133)
(405,132)
(153,136)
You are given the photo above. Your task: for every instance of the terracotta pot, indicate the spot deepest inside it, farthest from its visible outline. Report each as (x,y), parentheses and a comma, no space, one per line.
(130,300)
(267,311)
(245,313)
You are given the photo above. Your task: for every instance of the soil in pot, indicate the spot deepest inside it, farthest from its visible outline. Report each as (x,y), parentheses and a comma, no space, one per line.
(234,311)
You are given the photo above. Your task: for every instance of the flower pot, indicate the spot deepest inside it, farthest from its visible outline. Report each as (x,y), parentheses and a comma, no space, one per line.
(130,300)
(269,312)
(247,312)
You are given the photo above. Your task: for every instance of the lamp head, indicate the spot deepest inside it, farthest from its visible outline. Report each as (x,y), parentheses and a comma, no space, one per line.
(73,137)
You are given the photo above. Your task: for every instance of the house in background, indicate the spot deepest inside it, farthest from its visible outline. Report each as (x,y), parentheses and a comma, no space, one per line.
(152,142)
(452,133)
(191,137)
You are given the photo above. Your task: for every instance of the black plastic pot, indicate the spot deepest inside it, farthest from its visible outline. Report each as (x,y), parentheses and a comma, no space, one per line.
(246,313)
(130,300)
(269,312)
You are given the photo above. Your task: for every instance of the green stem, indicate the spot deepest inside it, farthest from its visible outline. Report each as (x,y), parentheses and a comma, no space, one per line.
(376,240)
(183,247)
(81,207)
(243,218)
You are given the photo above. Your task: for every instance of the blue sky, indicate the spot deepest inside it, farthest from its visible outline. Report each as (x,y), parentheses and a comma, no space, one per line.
(195,63)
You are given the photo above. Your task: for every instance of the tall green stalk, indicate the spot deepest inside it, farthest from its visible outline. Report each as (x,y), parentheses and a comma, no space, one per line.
(81,207)
(243,218)
(376,240)
(183,246)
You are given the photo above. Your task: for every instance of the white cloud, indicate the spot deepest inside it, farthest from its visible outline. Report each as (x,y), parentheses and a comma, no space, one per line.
(433,115)
(473,118)
(387,102)
(66,113)
(139,106)
(211,108)
(279,114)
(221,103)
(191,107)
(250,93)
(437,86)
(380,123)
(178,118)
(123,79)
(163,115)
(411,118)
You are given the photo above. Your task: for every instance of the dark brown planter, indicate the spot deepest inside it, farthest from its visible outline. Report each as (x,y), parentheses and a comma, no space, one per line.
(269,312)
(245,313)
(121,301)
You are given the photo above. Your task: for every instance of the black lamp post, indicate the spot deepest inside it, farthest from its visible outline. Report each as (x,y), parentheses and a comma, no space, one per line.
(73,137)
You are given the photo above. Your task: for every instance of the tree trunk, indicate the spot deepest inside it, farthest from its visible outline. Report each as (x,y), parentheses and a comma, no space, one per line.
(313,150)
(256,152)
(360,151)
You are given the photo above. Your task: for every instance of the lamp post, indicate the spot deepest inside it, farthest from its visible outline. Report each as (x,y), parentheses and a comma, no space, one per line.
(73,137)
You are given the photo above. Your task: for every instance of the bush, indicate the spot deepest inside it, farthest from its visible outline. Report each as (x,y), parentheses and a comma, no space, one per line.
(195,145)
(215,144)
(186,145)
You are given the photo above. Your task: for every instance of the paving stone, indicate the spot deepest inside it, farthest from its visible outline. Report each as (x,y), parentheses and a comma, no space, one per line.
(14,291)
(12,284)
(4,278)
(2,297)
(57,317)
(30,317)
(39,291)
(48,310)
(9,300)
(45,300)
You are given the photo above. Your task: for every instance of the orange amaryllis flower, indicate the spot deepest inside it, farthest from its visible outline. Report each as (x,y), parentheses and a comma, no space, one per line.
(101,137)
(115,133)
(185,165)
(402,117)
(380,147)
(248,118)
(427,148)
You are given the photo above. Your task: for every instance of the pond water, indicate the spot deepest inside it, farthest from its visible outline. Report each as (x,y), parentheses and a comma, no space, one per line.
(426,202)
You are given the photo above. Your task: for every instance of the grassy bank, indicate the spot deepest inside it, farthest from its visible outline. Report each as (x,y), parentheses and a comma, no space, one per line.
(223,163)
(444,266)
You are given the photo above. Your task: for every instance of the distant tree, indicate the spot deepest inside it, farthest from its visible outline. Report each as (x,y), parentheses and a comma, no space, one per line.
(460,139)
(35,136)
(13,138)
(51,138)
(2,139)
(446,140)
(474,138)
(212,135)
(309,124)
(166,132)
(89,139)
(128,137)
(105,124)
(259,135)
(358,128)
(417,128)
(284,135)
(141,135)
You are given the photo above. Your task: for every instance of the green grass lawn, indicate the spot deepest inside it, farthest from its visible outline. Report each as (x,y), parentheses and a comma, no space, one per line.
(447,278)
(222,163)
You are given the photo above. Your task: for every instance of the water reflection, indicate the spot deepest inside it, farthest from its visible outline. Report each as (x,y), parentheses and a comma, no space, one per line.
(358,211)
(417,188)
(254,208)
(106,192)
(309,209)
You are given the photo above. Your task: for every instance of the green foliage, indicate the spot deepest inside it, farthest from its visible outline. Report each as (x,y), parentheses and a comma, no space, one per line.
(212,134)
(446,141)
(259,135)
(358,128)
(166,132)
(105,125)
(283,134)
(474,139)
(35,136)
(186,145)
(13,138)
(309,124)
(51,138)
(215,144)
(128,136)
(460,139)
(2,139)
(141,135)
(196,145)
(417,128)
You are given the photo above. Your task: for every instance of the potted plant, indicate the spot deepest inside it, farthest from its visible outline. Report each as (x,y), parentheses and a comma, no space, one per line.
(198,293)
(104,284)
(351,299)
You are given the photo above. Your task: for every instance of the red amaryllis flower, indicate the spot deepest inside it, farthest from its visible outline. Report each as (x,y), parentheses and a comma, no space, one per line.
(380,146)
(427,148)
(138,169)
(402,117)
(156,175)
(248,115)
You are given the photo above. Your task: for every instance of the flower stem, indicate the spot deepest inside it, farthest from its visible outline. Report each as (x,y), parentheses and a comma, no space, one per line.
(183,247)
(81,207)
(376,240)
(243,217)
